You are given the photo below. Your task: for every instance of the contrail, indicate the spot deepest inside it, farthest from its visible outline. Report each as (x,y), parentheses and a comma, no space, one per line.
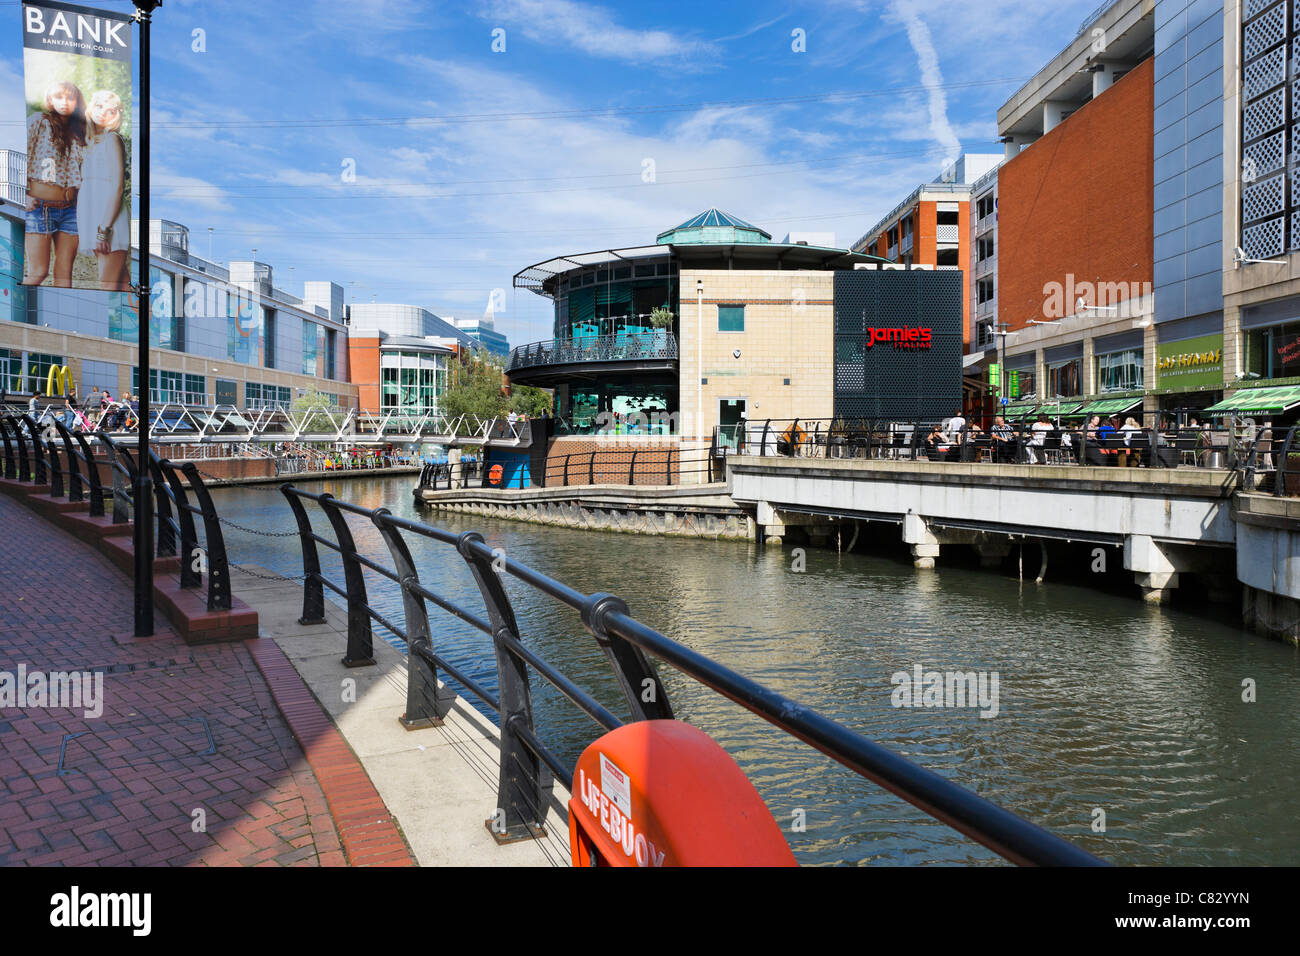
(931,77)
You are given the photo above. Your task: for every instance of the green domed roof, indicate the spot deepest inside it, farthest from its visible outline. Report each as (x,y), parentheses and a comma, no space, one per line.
(714,226)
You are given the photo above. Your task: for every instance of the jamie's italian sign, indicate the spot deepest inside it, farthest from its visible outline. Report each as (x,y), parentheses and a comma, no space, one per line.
(1190,363)
(905,338)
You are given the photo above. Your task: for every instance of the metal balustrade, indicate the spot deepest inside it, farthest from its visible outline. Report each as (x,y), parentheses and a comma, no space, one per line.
(175,534)
(629,646)
(620,347)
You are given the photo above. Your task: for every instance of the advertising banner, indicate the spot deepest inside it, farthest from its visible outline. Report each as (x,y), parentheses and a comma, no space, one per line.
(77,67)
(1190,363)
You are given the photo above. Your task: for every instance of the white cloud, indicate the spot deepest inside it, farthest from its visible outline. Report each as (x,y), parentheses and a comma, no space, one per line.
(918,34)
(590,29)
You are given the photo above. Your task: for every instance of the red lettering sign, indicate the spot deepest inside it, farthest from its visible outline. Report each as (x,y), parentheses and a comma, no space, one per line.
(904,338)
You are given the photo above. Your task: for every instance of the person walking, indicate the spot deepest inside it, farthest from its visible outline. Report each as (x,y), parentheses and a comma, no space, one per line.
(94,402)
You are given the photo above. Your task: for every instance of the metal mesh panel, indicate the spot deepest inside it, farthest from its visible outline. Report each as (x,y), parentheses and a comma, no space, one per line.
(1263,241)
(1263,199)
(1261,158)
(1265,31)
(1254,6)
(1265,115)
(885,381)
(1295,230)
(1265,73)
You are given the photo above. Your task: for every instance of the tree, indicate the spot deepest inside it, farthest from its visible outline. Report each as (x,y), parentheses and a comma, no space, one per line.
(318,422)
(476,385)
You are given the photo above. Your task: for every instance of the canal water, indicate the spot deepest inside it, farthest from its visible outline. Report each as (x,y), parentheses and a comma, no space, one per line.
(1119,726)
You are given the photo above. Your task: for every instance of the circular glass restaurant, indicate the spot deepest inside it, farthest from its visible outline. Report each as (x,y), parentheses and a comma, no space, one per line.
(614,354)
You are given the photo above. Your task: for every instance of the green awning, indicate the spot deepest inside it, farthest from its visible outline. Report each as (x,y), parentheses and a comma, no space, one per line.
(1273,400)
(1112,406)
(1019,409)
(1054,409)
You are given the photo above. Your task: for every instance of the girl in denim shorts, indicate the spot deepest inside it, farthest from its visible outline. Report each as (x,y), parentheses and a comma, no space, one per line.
(56,142)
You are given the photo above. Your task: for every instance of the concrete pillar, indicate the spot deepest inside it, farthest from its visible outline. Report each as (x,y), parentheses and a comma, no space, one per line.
(925,546)
(1054,112)
(1103,78)
(769,519)
(453,462)
(1155,569)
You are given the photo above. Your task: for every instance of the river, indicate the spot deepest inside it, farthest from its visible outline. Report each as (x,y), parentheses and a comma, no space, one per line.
(1110,713)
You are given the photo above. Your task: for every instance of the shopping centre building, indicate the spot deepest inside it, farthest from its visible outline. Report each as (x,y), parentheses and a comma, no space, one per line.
(221,334)
(1138,244)
(716,325)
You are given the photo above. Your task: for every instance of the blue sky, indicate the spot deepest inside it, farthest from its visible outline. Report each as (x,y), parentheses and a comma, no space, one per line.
(471,164)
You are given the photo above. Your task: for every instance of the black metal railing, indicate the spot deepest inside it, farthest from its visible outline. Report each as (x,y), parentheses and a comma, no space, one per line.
(641,346)
(629,647)
(70,457)
(1060,441)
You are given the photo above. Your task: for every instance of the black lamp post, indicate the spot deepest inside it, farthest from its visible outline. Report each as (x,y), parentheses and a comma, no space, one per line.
(144,516)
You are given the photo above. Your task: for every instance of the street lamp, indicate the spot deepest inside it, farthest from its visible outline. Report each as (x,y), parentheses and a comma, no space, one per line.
(143,531)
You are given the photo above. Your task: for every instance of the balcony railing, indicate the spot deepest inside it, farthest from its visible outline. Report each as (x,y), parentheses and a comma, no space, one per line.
(620,347)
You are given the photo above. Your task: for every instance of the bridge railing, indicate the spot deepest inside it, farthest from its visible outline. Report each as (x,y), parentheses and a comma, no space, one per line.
(1062,441)
(525,760)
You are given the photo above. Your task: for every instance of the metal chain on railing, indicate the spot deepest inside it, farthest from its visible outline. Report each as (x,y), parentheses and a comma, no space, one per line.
(273,576)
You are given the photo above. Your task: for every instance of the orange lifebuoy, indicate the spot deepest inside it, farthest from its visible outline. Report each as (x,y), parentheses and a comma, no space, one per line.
(495,473)
(663,793)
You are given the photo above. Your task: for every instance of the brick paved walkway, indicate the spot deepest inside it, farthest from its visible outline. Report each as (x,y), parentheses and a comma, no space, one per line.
(188,735)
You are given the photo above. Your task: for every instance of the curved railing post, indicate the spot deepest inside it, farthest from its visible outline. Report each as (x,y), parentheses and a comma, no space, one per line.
(631,469)
(34,433)
(520,813)
(762,448)
(56,471)
(24,466)
(313,592)
(644,693)
(218,564)
(92,477)
(361,649)
(123,506)
(566,471)
(1279,475)
(591,469)
(10,465)
(163,511)
(424,707)
(70,452)
(190,577)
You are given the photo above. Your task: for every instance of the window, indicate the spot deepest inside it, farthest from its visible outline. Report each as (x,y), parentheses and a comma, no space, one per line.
(984,248)
(1273,352)
(1022,383)
(268,347)
(38,370)
(196,390)
(983,291)
(1065,378)
(164,386)
(331,352)
(11,370)
(309,351)
(731,318)
(1120,371)
(984,207)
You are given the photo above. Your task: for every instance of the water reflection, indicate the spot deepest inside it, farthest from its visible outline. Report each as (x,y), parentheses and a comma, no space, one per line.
(1104,703)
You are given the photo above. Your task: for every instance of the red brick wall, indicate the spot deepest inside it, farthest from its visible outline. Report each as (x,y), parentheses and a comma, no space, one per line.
(1079,201)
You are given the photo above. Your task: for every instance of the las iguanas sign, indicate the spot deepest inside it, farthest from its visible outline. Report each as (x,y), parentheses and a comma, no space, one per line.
(1190,363)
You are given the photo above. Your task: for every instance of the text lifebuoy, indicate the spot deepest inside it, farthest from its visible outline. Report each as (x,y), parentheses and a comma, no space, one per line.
(495,474)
